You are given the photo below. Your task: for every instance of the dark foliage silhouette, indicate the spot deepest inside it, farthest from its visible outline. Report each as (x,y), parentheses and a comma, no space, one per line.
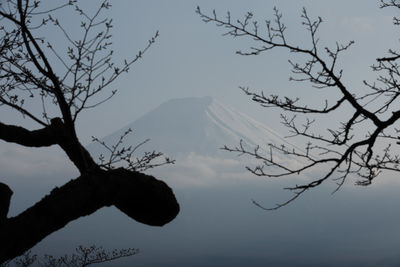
(347,150)
(35,73)
(83,256)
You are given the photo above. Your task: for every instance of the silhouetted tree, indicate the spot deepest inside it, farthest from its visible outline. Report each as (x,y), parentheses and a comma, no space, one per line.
(35,73)
(362,145)
(83,256)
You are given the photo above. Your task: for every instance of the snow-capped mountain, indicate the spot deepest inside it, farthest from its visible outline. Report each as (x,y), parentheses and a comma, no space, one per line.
(200,125)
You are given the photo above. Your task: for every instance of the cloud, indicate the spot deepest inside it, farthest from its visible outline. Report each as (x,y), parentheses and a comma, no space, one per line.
(51,167)
(204,171)
(359,24)
(197,170)
(387,179)
(45,164)
(33,172)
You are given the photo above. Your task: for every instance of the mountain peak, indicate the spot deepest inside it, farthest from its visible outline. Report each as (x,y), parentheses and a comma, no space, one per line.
(195,124)
(201,101)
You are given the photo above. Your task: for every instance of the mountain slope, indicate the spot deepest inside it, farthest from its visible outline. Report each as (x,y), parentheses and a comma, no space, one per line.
(200,125)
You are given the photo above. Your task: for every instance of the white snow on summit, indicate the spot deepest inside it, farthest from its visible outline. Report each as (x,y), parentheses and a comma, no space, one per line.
(242,127)
(195,125)
(193,131)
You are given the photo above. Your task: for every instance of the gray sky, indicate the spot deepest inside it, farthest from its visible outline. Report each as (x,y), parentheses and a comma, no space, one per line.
(191,58)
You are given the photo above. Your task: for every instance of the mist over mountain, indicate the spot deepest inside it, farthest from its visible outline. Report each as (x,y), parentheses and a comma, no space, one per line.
(218,225)
(201,125)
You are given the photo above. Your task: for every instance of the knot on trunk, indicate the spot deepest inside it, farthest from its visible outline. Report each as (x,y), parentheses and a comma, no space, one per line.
(143,197)
(5,197)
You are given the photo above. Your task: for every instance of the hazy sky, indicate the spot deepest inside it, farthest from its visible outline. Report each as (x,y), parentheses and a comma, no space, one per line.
(191,58)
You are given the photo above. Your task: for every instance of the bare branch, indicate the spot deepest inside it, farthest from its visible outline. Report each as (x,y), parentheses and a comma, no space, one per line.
(121,155)
(344,151)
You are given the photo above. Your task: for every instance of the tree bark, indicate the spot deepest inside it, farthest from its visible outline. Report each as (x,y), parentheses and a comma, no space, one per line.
(38,138)
(141,197)
(5,196)
(56,133)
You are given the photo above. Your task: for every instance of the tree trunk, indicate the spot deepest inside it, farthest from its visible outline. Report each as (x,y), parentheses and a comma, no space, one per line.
(141,197)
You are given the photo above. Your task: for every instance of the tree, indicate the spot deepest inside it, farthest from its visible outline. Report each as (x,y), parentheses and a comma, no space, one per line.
(34,73)
(83,256)
(343,151)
